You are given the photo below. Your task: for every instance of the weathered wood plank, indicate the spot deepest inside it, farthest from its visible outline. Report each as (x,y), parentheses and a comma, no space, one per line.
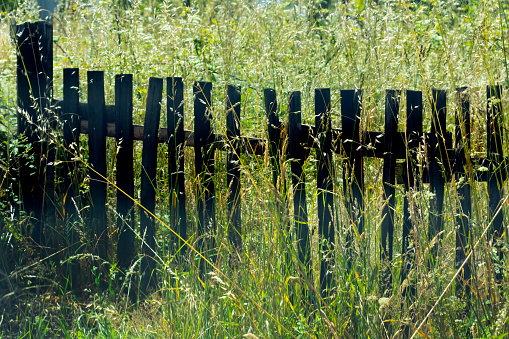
(148,186)
(233,167)
(353,172)
(325,188)
(97,159)
(71,130)
(204,166)
(298,155)
(392,99)
(176,144)
(34,95)
(125,169)
(438,168)
(463,189)
(496,167)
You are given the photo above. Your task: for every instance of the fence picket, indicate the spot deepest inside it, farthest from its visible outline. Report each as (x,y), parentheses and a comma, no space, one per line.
(124,168)
(438,167)
(496,165)
(413,142)
(148,181)
(97,159)
(462,146)
(353,173)
(298,155)
(71,131)
(34,80)
(274,149)
(176,144)
(325,188)
(204,167)
(274,132)
(233,166)
(389,183)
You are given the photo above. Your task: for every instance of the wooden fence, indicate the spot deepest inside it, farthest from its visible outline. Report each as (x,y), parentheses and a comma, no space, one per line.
(445,160)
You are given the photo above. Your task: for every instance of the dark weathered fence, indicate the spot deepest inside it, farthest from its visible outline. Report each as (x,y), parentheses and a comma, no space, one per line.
(444,162)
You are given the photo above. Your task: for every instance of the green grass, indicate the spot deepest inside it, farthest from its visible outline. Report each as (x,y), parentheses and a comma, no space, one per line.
(402,45)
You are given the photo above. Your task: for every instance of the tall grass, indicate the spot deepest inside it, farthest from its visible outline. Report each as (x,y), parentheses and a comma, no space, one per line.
(373,45)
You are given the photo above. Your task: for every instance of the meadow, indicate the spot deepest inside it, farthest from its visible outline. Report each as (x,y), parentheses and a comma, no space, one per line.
(287,46)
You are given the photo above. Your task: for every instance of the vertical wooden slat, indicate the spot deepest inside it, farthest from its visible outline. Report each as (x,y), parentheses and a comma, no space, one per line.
(34,93)
(71,126)
(274,144)
(97,159)
(389,182)
(297,155)
(148,185)
(47,179)
(438,164)
(496,161)
(462,146)
(175,112)
(125,168)
(354,167)
(204,165)
(325,188)
(413,140)
(274,132)
(233,166)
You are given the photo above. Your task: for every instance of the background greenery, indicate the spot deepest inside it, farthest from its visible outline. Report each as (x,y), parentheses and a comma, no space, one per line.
(373,45)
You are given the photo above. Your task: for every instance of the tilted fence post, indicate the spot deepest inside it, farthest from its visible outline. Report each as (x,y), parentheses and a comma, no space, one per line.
(325,188)
(176,144)
(125,169)
(389,183)
(233,167)
(496,168)
(298,155)
(462,176)
(71,120)
(438,169)
(413,142)
(354,166)
(148,182)
(204,167)
(97,159)
(275,148)
(34,95)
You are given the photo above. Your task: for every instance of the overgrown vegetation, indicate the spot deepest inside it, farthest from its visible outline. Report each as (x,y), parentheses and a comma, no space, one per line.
(373,45)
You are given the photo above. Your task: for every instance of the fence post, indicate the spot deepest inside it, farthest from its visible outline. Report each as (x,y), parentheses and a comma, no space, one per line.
(325,188)
(389,183)
(298,155)
(413,140)
(34,95)
(148,181)
(353,174)
(233,166)
(462,147)
(204,167)
(176,140)
(437,155)
(97,159)
(125,166)
(496,164)
(274,145)
(71,122)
